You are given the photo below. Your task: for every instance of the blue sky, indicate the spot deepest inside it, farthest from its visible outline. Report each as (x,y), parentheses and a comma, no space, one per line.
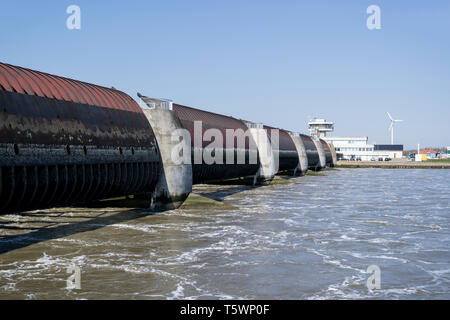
(276,62)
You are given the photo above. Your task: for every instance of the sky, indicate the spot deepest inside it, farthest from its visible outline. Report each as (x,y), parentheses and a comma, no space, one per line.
(275,62)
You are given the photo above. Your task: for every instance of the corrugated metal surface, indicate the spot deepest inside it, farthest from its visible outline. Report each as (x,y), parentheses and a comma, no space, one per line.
(87,114)
(64,141)
(22,80)
(288,156)
(203,172)
(311,152)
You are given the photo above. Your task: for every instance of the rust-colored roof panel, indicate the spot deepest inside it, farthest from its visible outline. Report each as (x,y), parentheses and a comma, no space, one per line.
(119,100)
(100,96)
(26,81)
(49,90)
(82,94)
(14,84)
(36,86)
(40,108)
(19,79)
(91,96)
(73,95)
(77,96)
(63,94)
(22,79)
(4,81)
(113,101)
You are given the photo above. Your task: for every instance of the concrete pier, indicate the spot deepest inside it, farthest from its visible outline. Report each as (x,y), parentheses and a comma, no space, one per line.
(321,151)
(268,167)
(333,154)
(328,155)
(175,181)
(302,167)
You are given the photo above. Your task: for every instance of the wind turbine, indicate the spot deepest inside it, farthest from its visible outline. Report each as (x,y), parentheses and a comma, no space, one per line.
(391,127)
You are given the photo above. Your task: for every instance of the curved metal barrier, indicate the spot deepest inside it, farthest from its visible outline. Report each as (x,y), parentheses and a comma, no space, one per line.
(224,168)
(64,142)
(287,152)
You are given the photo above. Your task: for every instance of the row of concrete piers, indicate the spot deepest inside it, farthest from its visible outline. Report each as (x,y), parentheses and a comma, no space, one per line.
(278,151)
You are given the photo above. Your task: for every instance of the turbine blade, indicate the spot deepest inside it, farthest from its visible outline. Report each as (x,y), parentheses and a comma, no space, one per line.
(389,116)
(398,120)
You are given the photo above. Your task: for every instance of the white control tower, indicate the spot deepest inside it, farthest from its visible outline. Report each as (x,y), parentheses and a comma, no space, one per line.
(319,127)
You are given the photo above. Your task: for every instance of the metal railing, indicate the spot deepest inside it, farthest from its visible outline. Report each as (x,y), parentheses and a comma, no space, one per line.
(154,103)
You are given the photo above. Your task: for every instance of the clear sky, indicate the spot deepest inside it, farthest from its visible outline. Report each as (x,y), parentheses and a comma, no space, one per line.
(277,62)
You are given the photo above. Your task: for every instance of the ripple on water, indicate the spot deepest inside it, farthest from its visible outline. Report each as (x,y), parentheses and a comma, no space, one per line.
(308,240)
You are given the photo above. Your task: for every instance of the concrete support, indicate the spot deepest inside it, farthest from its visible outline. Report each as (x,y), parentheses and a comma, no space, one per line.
(321,151)
(175,182)
(267,169)
(333,153)
(302,167)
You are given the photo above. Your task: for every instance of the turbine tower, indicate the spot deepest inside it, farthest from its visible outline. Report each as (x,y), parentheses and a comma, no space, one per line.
(391,127)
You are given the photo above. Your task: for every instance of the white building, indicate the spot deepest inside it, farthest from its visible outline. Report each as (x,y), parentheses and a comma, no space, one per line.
(353,148)
(319,127)
(357,148)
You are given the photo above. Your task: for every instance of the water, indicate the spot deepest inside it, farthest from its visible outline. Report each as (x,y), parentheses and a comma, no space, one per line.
(312,239)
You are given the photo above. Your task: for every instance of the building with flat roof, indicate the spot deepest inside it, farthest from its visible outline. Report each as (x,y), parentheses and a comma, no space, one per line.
(358,148)
(353,148)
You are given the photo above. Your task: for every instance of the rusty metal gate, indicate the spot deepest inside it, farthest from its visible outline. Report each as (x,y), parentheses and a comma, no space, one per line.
(64,142)
(203,172)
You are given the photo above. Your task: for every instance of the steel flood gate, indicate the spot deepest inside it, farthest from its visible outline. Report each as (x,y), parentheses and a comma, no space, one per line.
(64,142)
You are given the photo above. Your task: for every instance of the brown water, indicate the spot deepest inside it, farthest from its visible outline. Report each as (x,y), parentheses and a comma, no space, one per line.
(312,239)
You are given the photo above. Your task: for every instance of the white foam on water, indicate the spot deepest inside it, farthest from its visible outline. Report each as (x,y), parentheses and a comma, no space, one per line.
(440,272)
(347,238)
(11,286)
(178,293)
(143,228)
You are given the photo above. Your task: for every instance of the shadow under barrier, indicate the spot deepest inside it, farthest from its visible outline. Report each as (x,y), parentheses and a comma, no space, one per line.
(50,231)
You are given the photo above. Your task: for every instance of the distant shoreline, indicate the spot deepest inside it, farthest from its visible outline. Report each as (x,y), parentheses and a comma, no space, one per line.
(393,164)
